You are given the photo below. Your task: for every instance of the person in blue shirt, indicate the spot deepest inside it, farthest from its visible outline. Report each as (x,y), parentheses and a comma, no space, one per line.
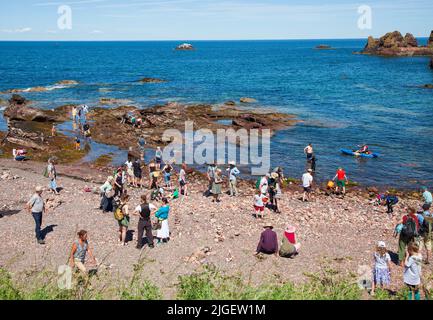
(427,197)
(233,173)
(163,234)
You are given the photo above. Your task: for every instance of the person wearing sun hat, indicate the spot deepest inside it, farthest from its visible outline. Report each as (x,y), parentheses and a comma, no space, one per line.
(382,267)
(233,173)
(36,206)
(268,243)
(289,246)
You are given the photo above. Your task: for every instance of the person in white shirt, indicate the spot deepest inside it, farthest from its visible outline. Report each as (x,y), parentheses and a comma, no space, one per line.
(130,172)
(264,184)
(259,204)
(307,181)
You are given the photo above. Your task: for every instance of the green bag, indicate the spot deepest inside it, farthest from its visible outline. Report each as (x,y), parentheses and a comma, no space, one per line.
(45,173)
(258,183)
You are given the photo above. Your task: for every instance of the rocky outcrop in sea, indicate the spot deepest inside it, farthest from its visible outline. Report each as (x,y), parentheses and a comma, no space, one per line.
(395,44)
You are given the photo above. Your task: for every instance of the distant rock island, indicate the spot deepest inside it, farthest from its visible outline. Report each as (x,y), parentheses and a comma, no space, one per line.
(185,46)
(324,47)
(393,44)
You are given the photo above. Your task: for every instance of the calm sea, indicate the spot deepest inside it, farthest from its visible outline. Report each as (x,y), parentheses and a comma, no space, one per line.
(343,99)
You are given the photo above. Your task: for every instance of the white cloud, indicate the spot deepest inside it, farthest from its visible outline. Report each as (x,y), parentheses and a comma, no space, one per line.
(20,30)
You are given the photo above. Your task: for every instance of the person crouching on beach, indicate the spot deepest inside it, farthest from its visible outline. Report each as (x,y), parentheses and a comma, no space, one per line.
(382,267)
(80,248)
(342,180)
(268,243)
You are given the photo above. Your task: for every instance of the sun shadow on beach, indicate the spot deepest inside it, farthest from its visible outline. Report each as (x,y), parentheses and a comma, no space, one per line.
(6,213)
(47,230)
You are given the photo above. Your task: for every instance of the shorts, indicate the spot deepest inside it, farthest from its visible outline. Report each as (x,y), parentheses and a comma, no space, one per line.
(182,183)
(307,189)
(130,172)
(137,175)
(158,160)
(427,205)
(167,177)
(341,183)
(53,184)
(309,156)
(257,208)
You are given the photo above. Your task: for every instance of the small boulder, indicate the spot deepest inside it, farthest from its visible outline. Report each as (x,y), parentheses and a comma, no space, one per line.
(247,100)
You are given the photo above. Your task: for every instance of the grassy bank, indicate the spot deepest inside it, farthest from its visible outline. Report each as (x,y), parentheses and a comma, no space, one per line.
(208,284)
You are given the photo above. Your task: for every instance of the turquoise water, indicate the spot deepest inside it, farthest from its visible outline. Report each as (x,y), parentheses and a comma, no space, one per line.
(343,99)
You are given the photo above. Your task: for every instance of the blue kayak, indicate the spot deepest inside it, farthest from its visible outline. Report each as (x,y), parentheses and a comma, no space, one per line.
(363,155)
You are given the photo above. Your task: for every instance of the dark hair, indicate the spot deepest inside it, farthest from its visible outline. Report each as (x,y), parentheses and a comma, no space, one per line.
(82,233)
(164,200)
(144,198)
(425,207)
(124,197)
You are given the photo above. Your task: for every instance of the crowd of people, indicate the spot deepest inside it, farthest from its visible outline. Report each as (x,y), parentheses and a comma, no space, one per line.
(414,232)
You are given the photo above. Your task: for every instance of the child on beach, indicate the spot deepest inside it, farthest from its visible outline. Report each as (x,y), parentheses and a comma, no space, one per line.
(259,204)
(53,130)
(382,267)
(412,271)
(77,143)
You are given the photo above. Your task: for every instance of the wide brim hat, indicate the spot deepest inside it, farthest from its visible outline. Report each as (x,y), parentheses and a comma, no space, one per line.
(268,225)
(274,175)
(39,189)
(381,244)
(232,163)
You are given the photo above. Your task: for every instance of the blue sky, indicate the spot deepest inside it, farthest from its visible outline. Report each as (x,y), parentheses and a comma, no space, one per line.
(210,19)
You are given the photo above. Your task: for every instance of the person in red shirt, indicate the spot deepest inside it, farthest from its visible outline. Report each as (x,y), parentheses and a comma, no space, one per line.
(341,180)
(405,240)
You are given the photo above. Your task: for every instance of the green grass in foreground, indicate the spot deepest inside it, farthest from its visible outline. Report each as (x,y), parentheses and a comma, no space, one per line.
(209,284)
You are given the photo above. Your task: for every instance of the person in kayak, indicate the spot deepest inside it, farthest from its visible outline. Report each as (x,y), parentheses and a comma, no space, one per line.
(363,149)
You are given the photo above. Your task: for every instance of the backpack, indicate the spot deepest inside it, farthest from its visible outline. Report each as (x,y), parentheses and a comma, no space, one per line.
(393,200)
(409,230)
(118,213)
(427,226)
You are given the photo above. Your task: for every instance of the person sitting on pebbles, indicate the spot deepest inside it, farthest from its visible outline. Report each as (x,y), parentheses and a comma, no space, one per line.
(289,246)
(268,243)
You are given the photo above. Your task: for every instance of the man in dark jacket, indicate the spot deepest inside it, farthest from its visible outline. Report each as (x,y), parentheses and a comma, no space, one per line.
(268,243)
(144,210)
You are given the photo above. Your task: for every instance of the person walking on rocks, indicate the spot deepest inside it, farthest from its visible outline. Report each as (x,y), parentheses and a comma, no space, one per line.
(142,147)
(382,267)
(80,248)
(233,173)
(342,180)
(408,234)
(144,210)
(268,243)
(52,175)
(412,271)
(36,206)
(124,223)
(307,182)
(163,234)
(107,195)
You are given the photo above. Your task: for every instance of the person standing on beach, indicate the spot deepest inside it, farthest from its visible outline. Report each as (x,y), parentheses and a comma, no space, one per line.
(408,233)
(74,114)
(144,210)
(53,130)
(79,250)
(36,207)
(412,271)
(341,180)
(141,146)
(167,170)
(427,197)
(307,182)
(308,150)
(138,173)
(233,173)
(158,158)
(124,223)
(107,195)
(263,185)
(182,181)
(216,186)
(163,234)
(118,182)
(210,177)
(52,175)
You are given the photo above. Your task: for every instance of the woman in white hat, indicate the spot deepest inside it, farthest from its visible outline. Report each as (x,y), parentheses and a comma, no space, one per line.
(289,246)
